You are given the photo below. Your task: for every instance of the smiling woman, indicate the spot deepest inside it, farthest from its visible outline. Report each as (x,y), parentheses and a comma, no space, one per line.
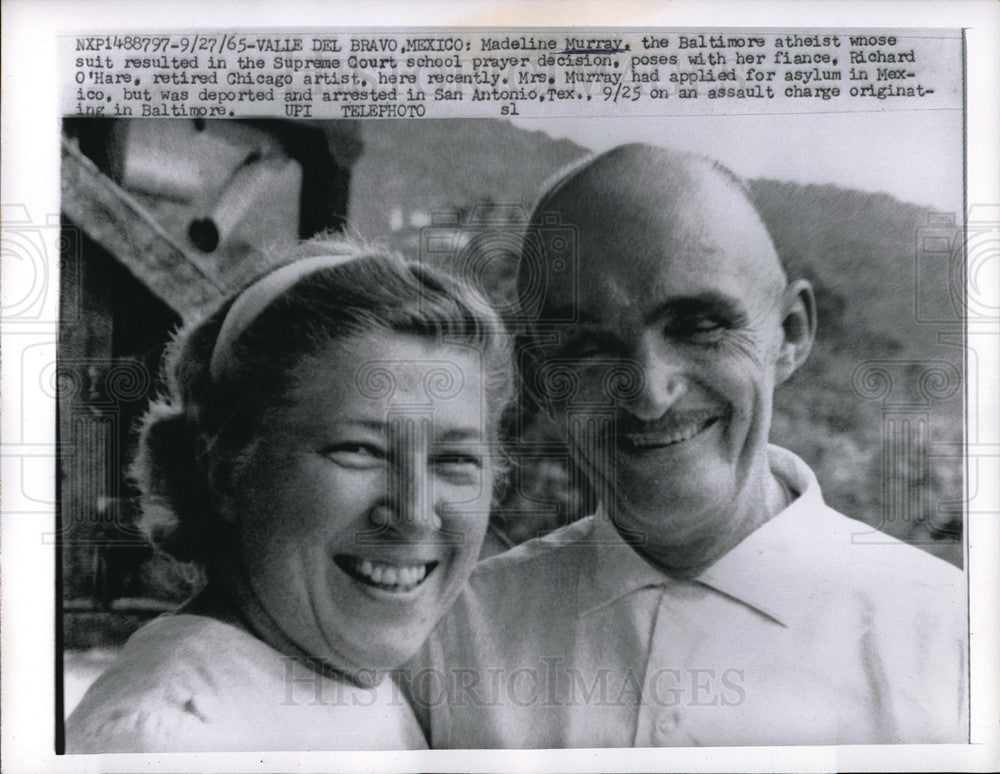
(326,448)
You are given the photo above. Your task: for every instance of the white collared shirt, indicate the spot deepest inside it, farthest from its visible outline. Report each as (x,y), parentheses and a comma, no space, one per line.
(816,629)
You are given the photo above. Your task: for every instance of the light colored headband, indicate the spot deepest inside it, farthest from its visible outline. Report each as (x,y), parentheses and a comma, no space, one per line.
(256,298)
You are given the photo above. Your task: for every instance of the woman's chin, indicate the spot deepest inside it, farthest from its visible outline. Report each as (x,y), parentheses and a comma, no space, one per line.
(380,626)
(383,649)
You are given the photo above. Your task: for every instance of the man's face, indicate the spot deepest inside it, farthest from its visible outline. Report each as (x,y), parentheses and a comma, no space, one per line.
(680,324)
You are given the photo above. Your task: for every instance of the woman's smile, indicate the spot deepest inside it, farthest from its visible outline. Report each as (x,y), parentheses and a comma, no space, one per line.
(386,576)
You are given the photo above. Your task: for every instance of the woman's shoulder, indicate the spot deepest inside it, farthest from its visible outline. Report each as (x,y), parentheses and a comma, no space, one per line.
(192,683)
(164,685)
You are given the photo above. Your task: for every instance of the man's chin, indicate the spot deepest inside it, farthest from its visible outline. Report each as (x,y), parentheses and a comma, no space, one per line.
(684,494)
(667,468)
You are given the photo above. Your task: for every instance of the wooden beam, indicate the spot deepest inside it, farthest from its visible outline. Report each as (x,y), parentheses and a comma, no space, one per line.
(117,222)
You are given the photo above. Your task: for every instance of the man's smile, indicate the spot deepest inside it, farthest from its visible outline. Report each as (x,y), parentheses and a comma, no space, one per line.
(669,431)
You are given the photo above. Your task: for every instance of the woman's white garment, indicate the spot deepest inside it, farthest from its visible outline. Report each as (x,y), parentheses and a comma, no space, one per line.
(191,683)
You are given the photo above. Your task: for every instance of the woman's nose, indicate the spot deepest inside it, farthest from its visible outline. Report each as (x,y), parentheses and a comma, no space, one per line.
(415,500)
(408,505)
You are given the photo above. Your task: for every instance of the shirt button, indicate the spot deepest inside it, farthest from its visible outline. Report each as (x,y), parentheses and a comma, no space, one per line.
(667,723)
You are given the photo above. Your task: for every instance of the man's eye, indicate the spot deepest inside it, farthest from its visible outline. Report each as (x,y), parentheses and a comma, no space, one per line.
(580,349)
(355,455)
(699,330)
(589,344)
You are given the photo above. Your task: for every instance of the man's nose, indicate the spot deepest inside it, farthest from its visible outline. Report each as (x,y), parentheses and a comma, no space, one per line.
(661,382)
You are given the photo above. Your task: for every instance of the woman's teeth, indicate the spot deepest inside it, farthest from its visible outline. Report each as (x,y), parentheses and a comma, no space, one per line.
(393,577)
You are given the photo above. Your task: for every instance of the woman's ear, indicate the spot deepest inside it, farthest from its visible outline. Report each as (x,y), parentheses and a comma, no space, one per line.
(798,328)
(218,470)
(529,362)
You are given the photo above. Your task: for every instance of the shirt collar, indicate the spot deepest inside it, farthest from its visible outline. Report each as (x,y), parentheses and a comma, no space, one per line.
(762,571)
(613,568)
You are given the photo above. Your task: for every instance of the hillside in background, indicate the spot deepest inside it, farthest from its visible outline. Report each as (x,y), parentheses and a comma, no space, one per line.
(873,367)
(418,168)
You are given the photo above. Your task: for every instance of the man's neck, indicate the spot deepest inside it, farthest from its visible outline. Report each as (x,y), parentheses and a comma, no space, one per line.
(688,561)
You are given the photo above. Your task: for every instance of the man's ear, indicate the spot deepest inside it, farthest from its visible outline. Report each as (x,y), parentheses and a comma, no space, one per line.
(798,327)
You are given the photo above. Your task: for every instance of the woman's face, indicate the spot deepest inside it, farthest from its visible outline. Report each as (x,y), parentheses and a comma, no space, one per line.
(363,504)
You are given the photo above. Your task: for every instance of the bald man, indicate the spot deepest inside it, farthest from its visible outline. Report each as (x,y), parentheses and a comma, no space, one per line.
(713,599)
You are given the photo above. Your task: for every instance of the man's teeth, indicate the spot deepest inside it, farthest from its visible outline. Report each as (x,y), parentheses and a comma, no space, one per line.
(685,433)
(391,575)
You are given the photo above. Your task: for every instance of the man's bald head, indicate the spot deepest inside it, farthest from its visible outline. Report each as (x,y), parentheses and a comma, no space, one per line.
(636,201)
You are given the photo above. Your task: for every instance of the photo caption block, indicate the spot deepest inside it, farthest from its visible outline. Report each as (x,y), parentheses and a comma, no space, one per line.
(495,74)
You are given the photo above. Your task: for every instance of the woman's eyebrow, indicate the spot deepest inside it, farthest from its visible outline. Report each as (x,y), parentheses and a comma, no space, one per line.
(467,433)
(372,425)
(471,435)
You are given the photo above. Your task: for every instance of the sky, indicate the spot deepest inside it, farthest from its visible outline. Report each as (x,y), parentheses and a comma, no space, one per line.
(916,155)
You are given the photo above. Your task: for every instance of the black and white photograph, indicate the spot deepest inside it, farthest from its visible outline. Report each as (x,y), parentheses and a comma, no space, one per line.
(549,388)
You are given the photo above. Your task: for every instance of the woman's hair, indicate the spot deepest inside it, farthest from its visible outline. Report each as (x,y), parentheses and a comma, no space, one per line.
(215,388)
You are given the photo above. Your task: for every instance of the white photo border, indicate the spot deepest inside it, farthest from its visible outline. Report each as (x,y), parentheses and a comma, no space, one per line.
(30,181)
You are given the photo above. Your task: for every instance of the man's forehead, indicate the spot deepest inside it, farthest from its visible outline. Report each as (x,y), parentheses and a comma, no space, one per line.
(639,291)
(664,193)
(648,219)
(640,250)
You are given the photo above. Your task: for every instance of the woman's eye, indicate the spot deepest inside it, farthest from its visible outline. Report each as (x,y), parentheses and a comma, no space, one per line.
(458,464)
(355,455)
